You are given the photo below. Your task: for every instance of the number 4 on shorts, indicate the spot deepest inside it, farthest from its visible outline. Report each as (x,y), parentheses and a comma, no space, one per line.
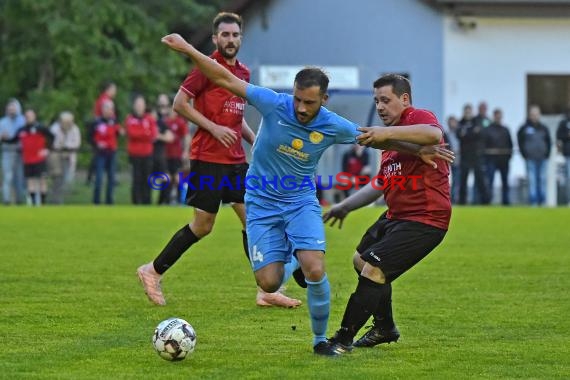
(256,255)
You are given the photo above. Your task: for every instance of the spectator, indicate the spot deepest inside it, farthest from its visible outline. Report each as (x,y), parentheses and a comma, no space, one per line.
(35,141)
(163,137)
(498,152)
(177,151)
(103,133)
(356,162)
(563,143)
(63,158)
(108,93)
(472,148)
(534,144)
(481,119)
(141,133)
(450,137)
(12,167)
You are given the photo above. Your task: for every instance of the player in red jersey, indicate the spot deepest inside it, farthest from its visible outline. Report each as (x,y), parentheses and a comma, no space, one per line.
(417,218)
(216,153)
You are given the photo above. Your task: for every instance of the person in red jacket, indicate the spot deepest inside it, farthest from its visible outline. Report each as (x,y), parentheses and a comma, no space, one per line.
(141,132)
(35,142)
(175,153)
(103,136)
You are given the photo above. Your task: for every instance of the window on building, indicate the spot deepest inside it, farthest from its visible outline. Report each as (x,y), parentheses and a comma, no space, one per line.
(550,92)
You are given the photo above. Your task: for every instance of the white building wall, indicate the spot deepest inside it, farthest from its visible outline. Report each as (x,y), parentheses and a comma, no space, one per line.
(491,62)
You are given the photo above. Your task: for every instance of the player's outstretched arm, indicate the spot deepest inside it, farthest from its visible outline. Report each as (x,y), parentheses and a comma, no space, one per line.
(422,134)
(361,198)
(427,153)
(209,67)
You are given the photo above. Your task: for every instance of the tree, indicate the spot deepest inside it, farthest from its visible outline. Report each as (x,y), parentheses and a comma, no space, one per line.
(54,54)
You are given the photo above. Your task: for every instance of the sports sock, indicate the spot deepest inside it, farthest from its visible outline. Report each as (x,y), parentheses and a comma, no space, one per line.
(289,268)
(383,314)
(359,308)
(178,244)
(245,245)
(318,299)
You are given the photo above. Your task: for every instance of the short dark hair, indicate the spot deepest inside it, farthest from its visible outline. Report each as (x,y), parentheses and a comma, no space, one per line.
(312,76)
(226,18)
(400,84)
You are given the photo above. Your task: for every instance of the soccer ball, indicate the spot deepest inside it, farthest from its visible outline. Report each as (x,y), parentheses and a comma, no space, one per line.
(174,339)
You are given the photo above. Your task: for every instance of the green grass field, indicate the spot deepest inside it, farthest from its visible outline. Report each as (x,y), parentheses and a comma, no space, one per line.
(490,302)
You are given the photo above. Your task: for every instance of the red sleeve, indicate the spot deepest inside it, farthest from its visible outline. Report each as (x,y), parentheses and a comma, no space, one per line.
(133,131)
(420,116)
(183,130)
(194,83)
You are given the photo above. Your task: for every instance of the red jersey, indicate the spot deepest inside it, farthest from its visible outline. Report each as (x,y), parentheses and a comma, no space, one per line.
(34,140)
(414,190)
(220,106)
(98,108)
(103,135)
(179,128)
(141,132)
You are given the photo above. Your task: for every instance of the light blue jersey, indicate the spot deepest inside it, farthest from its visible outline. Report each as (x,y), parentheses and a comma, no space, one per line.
(286,152)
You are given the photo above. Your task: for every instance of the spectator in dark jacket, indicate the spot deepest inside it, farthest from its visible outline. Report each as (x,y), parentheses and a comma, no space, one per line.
(563,142)
(534,145)
(498,152)
(472,146)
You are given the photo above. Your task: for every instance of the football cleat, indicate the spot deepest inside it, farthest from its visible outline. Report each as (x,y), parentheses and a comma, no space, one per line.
(151,284)
(276,299)
(327,348)
(378,335)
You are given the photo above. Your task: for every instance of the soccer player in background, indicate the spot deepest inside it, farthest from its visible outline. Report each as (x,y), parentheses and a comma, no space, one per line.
(216,152)
(416,220)
(284,223)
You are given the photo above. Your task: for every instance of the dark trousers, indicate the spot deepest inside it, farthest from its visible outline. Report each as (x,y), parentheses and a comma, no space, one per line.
(474,164)
(140,189)
(500,163)
(104,164)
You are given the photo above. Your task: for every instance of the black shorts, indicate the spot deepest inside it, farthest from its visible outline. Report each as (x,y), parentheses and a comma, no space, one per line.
(395,246)
(211,183)
(35,170)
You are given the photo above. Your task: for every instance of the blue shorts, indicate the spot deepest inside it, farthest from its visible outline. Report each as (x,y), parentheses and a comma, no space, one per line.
(276,230)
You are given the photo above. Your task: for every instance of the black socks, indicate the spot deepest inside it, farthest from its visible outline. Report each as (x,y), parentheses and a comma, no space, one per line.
(245,246)
(178,244)
(362,303)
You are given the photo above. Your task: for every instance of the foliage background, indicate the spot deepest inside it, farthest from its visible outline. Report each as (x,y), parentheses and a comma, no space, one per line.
(55,54)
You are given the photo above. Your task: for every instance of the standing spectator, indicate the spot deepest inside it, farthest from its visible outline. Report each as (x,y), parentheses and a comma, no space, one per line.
(108,93)
(450,137)
(498,152)
(472,148)
(163,137)
(355,162)
(103,133)
(12,168)
(35,142)
(175,151)
(481,119)
(563,143)
(534,144)
(141,133)
(63,158)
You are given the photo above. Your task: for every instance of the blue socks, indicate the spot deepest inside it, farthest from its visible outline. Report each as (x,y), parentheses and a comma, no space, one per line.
(319,302)
(289,268)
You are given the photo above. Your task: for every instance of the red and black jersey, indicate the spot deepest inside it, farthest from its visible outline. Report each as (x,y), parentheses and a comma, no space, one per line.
(141,133)
(424,195)
(35,140)
(179,128)
(103,134)
(221,107)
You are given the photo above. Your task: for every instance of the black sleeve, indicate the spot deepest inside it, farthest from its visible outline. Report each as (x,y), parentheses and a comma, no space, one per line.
(520,140)
(48,135)
(560,135)
(91,132)
(548,140)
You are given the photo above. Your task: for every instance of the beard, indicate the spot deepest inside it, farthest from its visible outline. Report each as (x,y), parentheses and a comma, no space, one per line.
(226,54)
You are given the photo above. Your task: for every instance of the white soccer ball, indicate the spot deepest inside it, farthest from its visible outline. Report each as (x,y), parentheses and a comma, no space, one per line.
(174,339)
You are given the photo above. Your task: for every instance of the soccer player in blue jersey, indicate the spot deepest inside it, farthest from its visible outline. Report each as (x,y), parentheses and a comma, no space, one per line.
(283,216)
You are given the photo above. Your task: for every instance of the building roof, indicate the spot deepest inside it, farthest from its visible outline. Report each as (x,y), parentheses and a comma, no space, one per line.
(503,8)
